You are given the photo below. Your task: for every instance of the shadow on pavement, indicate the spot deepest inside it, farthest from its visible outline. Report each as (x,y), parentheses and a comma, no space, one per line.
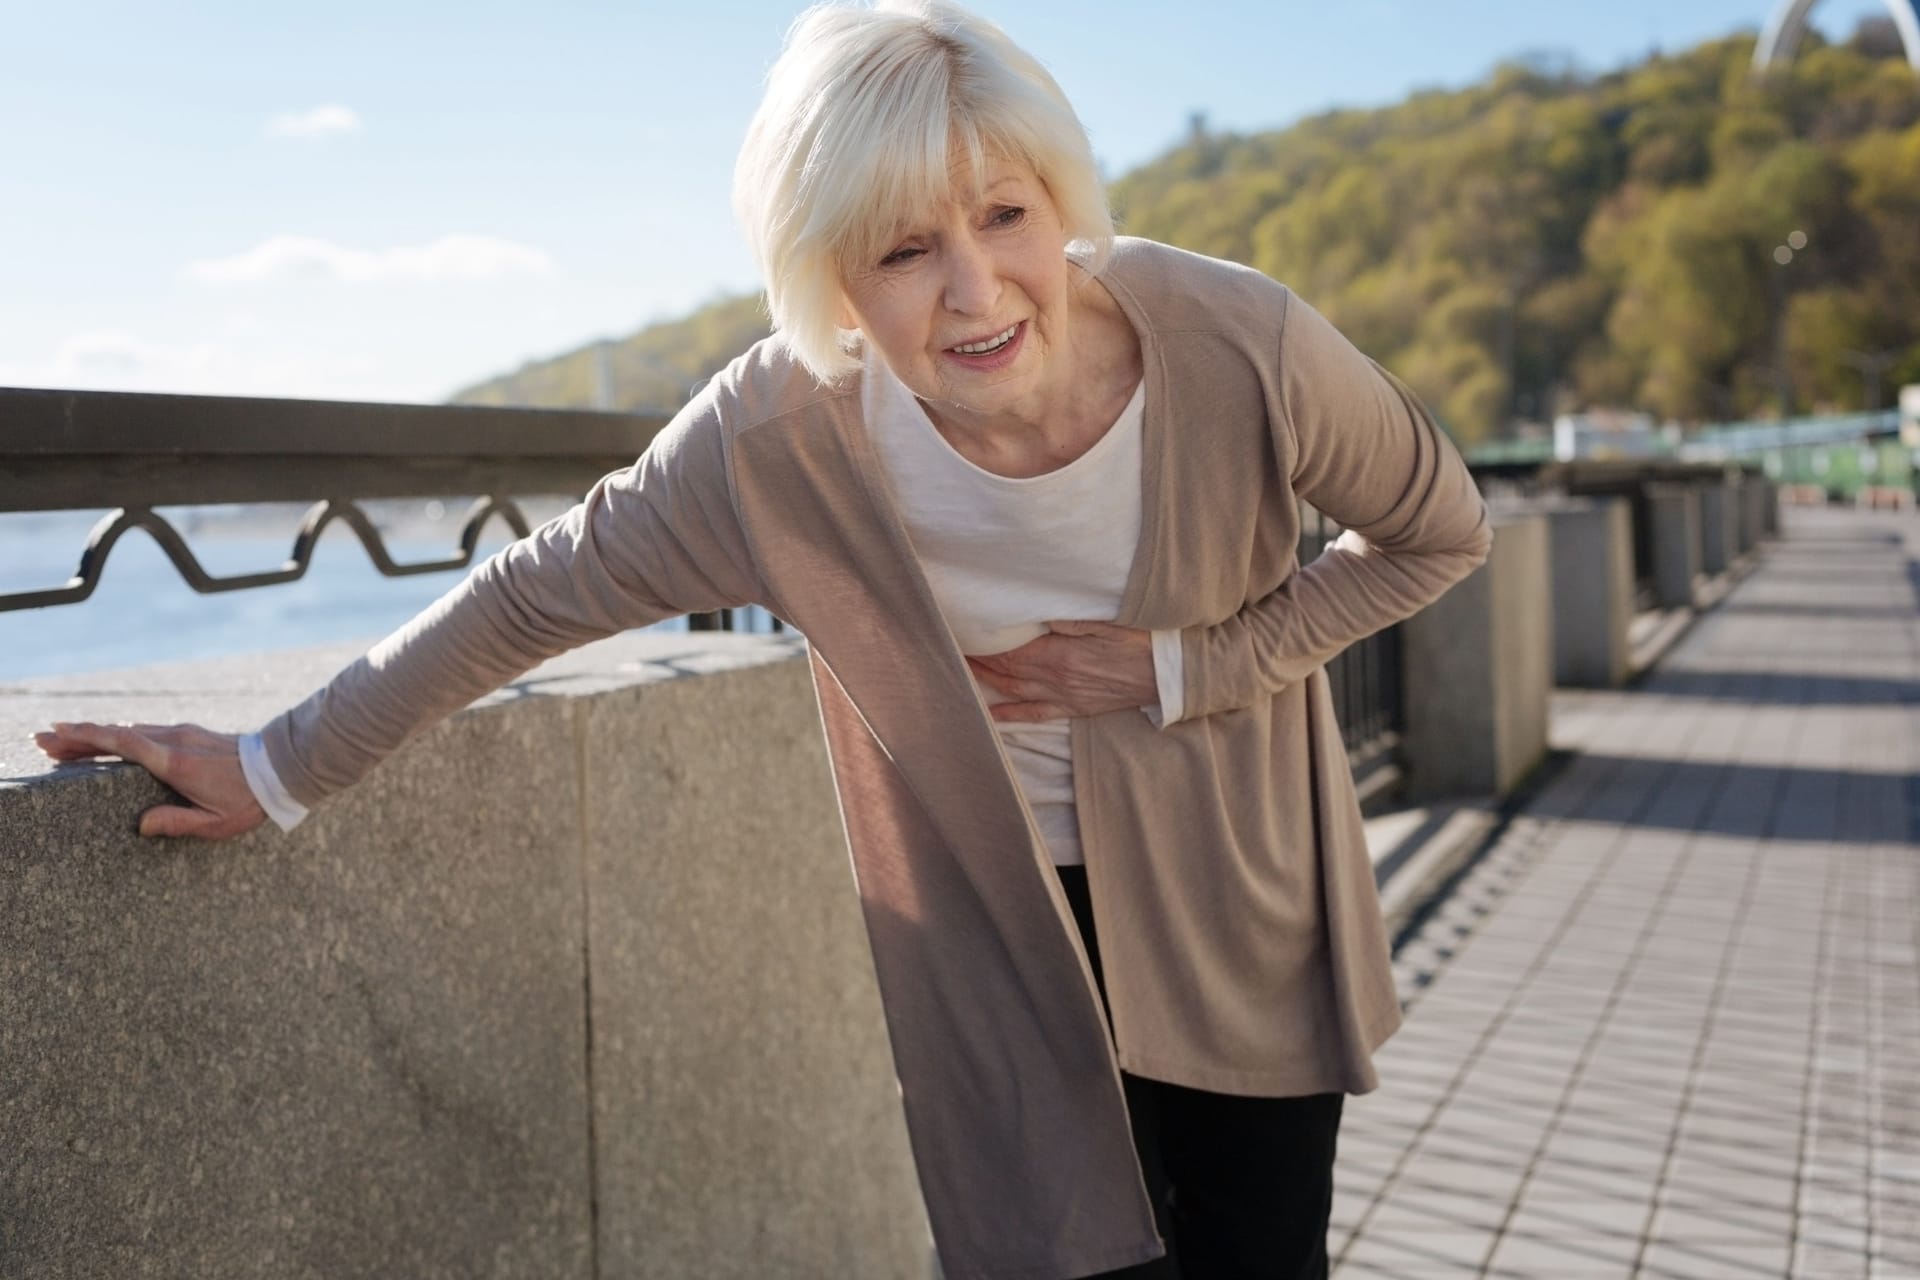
(1787,688)
(1828,806)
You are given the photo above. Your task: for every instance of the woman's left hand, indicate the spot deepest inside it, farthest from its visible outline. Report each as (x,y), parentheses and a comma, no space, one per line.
(1076,669)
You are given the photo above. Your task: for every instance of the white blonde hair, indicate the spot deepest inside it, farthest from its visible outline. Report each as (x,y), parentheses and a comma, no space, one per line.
(866,116)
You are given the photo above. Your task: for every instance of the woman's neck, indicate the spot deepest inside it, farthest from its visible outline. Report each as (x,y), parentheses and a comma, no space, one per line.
(1089,393)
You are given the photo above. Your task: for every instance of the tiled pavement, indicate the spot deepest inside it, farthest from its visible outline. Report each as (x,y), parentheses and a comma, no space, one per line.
(1669,1024)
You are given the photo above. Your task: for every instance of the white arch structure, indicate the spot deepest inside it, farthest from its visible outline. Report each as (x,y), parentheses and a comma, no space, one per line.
(1789,21)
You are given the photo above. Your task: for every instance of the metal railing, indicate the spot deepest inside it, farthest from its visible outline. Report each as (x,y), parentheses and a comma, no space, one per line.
(132,454)
(1366,684)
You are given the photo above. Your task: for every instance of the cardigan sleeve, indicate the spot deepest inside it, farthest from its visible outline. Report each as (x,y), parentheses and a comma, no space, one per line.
(1368,454)
(658,539)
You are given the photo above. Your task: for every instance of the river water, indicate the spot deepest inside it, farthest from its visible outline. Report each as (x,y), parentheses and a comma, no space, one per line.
(143,613)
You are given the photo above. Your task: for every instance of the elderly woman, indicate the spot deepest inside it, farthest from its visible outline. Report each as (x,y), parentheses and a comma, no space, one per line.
(1031,493)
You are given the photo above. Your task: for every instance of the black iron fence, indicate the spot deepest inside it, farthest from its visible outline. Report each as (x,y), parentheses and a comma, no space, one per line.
(133,454)
(1366,684)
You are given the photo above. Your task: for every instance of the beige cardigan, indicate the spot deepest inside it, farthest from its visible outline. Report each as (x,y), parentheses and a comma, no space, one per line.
(1243,944)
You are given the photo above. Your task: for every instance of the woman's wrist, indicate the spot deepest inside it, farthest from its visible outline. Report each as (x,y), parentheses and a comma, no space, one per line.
(264,781)
(1169,675)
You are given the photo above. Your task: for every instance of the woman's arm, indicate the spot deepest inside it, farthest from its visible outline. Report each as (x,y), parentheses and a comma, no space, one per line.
(1365,452)
(658,539)
(1369,455)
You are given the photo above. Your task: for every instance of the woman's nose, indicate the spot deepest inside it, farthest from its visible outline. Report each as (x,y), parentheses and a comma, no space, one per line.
(973,279)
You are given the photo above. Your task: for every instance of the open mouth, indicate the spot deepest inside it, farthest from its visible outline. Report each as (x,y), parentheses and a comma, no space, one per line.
(987,346)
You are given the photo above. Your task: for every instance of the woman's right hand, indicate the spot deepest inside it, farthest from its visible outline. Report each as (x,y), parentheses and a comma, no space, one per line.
(203,766)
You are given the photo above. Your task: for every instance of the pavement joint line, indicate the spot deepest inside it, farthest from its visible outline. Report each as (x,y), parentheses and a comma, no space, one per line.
(1813,1044)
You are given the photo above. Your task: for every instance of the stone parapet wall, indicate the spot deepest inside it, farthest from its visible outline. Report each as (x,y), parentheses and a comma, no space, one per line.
(575,986)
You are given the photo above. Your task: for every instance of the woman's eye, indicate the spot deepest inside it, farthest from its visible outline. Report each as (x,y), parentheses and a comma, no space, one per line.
(900,257)
(1009,216)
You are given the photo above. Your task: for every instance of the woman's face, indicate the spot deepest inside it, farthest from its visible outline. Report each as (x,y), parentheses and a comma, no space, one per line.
(970,310)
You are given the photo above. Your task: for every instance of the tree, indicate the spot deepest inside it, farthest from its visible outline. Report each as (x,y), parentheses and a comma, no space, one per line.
(1544,239)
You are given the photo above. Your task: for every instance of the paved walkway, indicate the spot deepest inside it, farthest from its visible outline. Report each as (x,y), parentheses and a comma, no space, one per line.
(1669,1025)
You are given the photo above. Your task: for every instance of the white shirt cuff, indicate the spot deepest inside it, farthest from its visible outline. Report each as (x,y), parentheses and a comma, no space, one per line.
(286,812)
(1169,673)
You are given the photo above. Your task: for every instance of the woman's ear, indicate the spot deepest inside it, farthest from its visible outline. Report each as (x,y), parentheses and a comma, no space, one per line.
(846,319)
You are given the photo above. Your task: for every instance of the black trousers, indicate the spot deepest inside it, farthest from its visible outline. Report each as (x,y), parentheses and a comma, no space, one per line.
(1241,1187)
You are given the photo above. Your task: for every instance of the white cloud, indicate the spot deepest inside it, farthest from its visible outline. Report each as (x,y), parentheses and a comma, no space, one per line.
(240,324)
(120,360)
(320,122)
(451,257)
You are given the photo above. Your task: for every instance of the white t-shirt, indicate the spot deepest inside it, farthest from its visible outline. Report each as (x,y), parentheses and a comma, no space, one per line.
(1006,556)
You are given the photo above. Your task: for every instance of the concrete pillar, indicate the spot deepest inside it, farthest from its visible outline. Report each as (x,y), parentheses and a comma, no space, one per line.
(1478,671)
(1674,510)
(1717,534)
(1753,510)
(1592,549)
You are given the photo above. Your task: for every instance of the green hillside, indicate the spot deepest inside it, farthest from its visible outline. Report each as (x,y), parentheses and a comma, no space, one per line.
(653,371)
(1541,241)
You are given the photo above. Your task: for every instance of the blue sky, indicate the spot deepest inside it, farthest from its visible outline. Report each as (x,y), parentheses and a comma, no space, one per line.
(389,200)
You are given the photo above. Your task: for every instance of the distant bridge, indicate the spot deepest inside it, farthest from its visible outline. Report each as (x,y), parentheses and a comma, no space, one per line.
(1843,454)
(1789,22)
(1752,439)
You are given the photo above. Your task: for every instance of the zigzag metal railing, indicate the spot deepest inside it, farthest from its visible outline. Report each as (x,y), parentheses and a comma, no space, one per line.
(100,540)
(66,450)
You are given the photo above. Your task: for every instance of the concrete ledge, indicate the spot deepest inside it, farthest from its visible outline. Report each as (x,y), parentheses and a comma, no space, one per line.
(365,1049)
(1415,851)
(1656,631)
(736,1021)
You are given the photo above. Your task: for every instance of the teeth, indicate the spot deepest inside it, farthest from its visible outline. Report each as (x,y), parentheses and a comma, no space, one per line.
(991,344)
